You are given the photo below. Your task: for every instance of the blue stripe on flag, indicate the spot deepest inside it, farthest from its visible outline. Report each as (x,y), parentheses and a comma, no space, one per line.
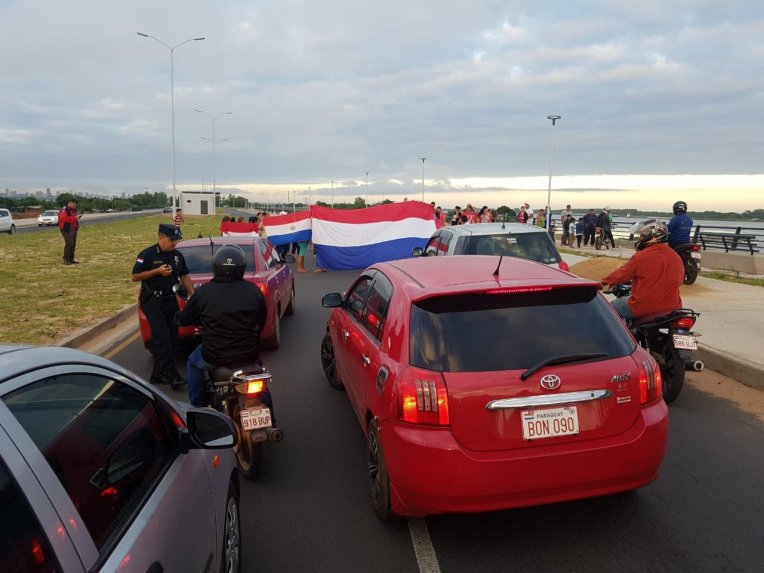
(349,258)
(296,237)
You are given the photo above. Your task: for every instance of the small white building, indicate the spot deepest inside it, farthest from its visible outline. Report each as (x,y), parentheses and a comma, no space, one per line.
(197,202)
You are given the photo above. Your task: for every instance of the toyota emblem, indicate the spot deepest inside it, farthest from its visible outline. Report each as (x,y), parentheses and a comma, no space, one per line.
(550,382)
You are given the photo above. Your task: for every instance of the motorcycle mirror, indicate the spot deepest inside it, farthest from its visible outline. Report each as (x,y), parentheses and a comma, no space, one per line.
(180,290)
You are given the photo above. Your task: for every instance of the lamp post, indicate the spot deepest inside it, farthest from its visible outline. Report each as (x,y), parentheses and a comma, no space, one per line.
(213,118)
(423,159)
(554,119)
(172,106)
(367,189)
(332,193)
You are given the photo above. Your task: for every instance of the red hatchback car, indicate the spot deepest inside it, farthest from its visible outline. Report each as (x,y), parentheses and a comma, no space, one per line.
(265,268)
(486,383)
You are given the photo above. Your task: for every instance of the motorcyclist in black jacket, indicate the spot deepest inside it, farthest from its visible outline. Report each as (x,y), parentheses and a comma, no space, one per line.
(232,313)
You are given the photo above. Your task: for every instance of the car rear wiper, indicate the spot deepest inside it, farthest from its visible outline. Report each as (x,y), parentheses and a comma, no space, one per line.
(564,359)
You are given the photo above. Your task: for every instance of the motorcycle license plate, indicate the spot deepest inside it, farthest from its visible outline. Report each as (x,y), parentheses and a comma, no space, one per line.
(685,341)
(695,255)
(549,423)
(256,418)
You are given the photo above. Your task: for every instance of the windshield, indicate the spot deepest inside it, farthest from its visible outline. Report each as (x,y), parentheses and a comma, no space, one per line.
(199,258)
(50,213)
(480,332)
(533,246)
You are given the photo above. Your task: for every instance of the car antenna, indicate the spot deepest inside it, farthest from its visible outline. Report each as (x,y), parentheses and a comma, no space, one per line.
(496,272)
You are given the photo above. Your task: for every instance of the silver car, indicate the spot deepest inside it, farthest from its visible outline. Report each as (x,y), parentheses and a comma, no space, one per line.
(501,239)
(47,218)
(101,472)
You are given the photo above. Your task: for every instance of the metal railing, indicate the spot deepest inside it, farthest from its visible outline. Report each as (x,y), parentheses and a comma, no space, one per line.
(727,238)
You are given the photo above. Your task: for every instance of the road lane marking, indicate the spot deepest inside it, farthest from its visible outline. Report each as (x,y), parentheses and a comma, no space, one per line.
(120,347)
(423,549)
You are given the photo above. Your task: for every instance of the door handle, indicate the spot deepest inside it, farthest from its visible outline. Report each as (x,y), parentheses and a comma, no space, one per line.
(345,334)
(366,360)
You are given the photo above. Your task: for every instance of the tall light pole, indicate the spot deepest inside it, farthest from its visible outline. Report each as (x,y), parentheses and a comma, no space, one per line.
(423,159)
(367,188)
(554,119)
(172,106)
(213,118)
(332,193)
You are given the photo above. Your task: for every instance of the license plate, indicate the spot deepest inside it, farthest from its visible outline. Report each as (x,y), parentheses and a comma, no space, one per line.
(685,341)
(256,418)
(695,255)
(549,423)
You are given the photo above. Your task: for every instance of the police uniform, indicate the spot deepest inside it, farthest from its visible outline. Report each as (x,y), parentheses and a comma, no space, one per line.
(160,305)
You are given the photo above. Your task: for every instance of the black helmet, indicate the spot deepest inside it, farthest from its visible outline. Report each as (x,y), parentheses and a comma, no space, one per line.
(229,261)
(651,233)
(679,207)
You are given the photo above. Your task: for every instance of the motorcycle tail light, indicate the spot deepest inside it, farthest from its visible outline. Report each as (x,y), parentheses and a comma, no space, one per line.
(422,398)
(650,382)
(251,387)
(695,248)
(684,323)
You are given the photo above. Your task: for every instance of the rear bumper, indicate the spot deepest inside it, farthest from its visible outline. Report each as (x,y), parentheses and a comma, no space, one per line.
(432,473)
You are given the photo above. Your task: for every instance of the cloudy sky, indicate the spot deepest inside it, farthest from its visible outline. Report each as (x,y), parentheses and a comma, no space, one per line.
(659,100)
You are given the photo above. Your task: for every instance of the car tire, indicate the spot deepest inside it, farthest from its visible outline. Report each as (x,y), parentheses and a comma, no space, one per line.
(12,230)
(273,342)
(231,552)
(329,363)
(292,306)
(672,374)
(379,481)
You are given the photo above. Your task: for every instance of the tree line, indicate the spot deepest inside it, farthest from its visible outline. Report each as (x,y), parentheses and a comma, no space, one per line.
(89,204)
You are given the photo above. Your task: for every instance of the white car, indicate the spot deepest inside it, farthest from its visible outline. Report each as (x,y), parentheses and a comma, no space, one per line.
(47,218)
(6,222)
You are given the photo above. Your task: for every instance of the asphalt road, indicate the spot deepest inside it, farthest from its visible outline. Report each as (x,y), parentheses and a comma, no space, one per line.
(30,225)
(310,510)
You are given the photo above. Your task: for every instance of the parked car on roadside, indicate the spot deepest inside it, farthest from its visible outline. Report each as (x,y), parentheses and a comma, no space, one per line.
(474,396)
(47,218)
(506,239)
(99,471)
(265,268)
(6,222)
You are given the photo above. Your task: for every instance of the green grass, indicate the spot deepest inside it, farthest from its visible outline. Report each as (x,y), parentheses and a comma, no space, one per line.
(43,301)
(732,277)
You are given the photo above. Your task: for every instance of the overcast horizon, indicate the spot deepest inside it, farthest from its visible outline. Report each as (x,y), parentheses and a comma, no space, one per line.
(659,101)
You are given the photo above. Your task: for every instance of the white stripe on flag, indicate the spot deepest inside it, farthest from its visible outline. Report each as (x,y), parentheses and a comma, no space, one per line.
(359,234)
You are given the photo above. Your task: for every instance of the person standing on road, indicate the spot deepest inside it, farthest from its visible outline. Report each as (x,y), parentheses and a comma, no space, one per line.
(159,268)
(656,272)
(69,224)
(590,223)
(232,313)
(680,225)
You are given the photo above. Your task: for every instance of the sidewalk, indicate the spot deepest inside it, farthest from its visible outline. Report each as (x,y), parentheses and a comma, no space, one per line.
(731,328)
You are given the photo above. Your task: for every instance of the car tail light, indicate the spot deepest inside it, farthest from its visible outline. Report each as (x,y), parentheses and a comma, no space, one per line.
(684,323)
(263,288)
(422,398)
(563,266)
(513,290)
(650,383)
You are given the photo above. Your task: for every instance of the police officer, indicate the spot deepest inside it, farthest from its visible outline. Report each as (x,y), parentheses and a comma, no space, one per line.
(159,268)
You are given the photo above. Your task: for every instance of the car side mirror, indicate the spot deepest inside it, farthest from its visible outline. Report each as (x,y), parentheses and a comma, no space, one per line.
(331,300)
(417,252)
(211,430)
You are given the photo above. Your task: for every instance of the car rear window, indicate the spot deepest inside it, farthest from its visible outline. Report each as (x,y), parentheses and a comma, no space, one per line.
(488,332)
(533,246)
(199,259)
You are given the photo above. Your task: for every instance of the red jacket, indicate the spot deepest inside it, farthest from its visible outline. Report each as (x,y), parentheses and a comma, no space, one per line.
(68,220)
(656,273)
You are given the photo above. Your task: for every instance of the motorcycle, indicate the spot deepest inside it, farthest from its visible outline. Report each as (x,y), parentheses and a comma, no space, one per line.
(670,340)
(242,395)
(690,255)
(600,239)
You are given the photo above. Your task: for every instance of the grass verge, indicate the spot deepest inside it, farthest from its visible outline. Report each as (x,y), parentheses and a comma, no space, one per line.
(43,301)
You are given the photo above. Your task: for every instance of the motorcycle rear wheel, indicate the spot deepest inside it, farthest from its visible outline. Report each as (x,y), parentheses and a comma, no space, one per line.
(690,271)
(598,243)
(249,454)
(672,373)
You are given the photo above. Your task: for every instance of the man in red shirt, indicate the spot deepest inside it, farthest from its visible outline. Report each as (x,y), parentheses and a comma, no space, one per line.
(656,272)
(69,224)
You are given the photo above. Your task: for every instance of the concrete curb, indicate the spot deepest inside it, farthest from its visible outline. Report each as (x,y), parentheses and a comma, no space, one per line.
(733,366)
(91,333)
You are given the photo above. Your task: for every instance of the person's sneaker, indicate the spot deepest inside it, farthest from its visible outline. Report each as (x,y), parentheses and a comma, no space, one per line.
(156,377)
(74,262)
(176,381)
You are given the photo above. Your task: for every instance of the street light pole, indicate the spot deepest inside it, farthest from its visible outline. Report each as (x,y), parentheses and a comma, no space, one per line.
(422,158)
(332,193)
(213,118)
(172,106)
(367,188)
(554,119)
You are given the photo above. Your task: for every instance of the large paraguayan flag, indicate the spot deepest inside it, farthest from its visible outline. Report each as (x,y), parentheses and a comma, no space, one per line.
(285,229)
(358,238)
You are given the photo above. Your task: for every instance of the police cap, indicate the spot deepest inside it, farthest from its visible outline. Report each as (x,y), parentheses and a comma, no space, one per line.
(171,231)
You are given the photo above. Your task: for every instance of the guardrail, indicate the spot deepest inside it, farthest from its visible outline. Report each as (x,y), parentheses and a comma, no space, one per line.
(727,238)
